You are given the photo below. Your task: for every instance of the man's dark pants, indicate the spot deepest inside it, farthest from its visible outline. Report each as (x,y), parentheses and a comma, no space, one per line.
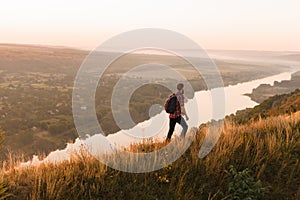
(180,120)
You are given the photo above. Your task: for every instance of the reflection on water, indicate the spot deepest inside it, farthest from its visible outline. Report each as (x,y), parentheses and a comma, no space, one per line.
(199,109)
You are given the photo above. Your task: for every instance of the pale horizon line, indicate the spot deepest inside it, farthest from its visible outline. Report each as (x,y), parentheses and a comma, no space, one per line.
(91,49)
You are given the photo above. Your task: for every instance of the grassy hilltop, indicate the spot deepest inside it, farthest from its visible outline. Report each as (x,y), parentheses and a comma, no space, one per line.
(256,157)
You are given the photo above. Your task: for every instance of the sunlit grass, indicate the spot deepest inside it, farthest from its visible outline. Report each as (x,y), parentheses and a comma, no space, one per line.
(269,148)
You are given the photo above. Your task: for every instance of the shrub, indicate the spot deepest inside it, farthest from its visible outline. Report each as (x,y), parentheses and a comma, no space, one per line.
(59,127)
(4,191)
(243,186)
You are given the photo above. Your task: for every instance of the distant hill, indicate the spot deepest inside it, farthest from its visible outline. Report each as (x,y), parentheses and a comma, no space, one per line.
(291,57)
(265,91)
(273,106)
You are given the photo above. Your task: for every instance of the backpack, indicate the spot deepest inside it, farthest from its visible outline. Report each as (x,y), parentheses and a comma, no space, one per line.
(170,104)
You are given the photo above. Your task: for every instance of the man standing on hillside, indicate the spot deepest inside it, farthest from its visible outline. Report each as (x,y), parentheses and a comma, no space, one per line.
(176,117)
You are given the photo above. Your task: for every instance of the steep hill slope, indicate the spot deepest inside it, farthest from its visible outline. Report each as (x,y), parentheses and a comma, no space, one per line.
(257,159)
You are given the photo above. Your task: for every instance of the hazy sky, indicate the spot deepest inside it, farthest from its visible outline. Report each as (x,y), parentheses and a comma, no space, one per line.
(214,24)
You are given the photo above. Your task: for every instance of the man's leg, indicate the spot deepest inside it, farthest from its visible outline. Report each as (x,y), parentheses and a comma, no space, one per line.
(172,124)
(184,127)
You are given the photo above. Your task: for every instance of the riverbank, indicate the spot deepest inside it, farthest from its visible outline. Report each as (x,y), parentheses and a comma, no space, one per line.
(157,127)
(264,91)
(259,156)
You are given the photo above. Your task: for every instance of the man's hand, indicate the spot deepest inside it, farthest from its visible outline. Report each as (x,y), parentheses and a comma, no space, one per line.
(187,118)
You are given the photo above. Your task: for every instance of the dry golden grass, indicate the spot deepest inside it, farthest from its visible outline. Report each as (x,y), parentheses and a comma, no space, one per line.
(269,148)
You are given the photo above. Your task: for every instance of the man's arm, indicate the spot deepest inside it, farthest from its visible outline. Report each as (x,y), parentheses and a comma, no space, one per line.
(183,112)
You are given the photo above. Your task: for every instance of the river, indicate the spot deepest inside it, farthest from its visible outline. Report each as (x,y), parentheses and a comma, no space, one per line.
(199,109)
